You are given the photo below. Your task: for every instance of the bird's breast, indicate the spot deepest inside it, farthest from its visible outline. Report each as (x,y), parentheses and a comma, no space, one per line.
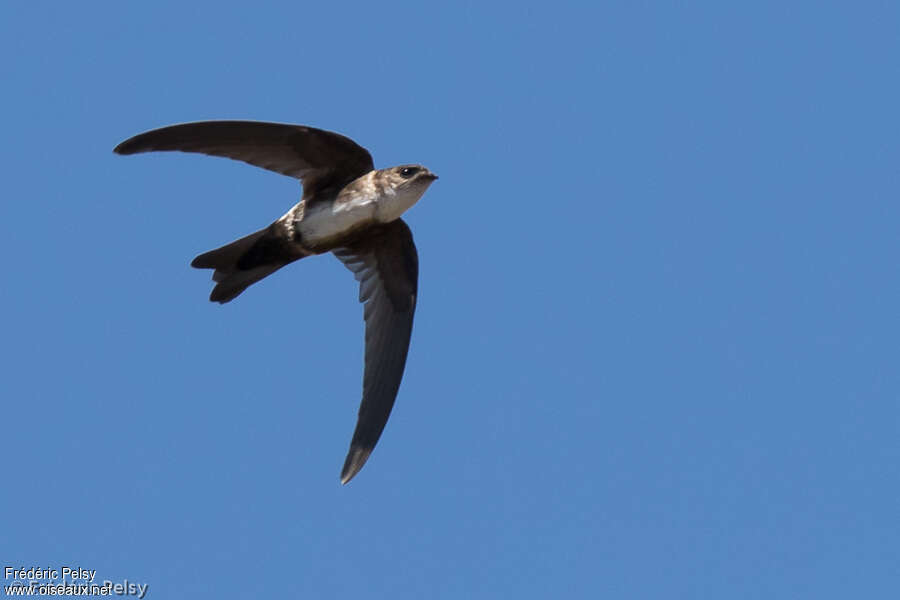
(328,222)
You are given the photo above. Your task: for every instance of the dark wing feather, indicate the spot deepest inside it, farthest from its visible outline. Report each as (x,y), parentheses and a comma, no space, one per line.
(319,158)
(386,265)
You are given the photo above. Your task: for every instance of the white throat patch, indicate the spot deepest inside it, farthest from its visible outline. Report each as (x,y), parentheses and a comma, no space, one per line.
(393,203)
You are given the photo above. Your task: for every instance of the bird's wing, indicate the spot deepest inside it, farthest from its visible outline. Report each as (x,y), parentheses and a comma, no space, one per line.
(386,265)
(318,158)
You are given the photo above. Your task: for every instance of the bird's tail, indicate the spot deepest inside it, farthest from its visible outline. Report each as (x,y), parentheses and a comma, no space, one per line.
(245,261)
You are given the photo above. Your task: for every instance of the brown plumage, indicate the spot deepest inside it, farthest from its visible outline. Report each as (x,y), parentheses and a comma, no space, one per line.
(347,208)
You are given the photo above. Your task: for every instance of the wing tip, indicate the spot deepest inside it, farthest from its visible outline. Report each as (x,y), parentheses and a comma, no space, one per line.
(356,458)
(127,147)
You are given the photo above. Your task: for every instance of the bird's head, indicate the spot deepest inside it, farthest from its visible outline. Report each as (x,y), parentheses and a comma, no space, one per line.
(399,188)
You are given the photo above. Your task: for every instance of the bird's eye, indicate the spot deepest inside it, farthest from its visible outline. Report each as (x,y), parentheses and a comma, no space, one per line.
(407,172)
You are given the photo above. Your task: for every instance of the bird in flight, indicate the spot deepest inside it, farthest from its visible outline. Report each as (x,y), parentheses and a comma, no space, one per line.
(348,208)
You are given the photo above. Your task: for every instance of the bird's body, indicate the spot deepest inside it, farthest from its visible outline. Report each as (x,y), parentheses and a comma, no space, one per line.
(347,208)
(376,197)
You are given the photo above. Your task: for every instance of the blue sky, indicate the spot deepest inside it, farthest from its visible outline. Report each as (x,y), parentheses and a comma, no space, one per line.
(655,353)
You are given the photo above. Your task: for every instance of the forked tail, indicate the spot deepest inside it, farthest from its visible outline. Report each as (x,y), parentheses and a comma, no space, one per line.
(245,261)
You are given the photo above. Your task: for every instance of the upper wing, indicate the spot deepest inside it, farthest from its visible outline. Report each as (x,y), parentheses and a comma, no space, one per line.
(386,265)
(318,158)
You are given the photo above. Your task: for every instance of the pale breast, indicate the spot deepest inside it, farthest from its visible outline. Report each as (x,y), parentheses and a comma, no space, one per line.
(323,222)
